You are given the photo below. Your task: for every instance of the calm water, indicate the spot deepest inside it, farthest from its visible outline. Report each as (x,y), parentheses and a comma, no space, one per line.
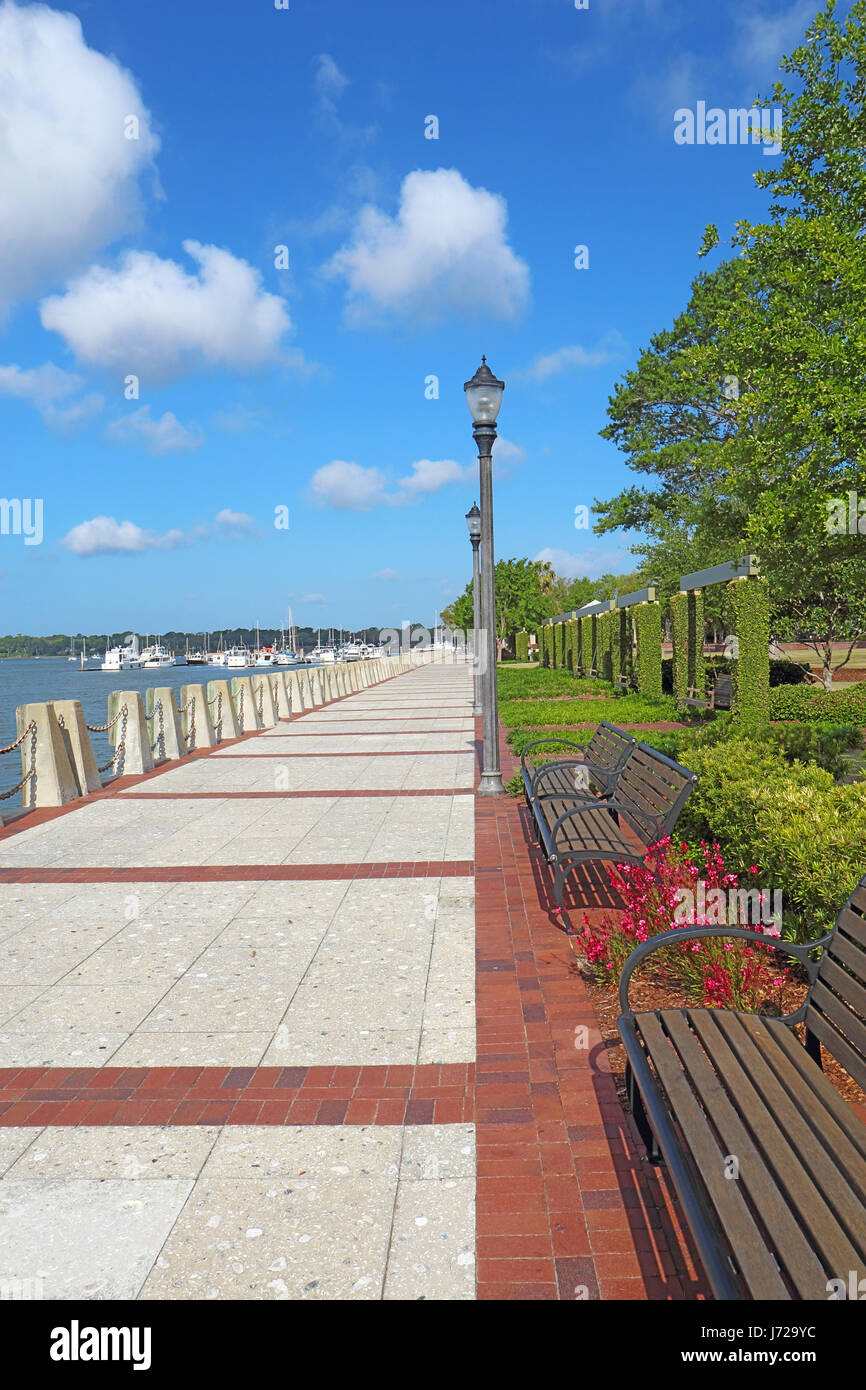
(32,680)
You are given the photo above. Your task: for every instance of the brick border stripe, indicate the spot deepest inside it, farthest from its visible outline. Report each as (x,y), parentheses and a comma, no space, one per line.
(435,1093)
(240,873)
(376,753)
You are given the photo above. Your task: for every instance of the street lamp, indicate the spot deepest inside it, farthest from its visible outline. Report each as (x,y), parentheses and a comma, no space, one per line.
(473,521)
(484,396)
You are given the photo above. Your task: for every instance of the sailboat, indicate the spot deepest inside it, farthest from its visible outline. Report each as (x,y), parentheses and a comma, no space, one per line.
(286,655)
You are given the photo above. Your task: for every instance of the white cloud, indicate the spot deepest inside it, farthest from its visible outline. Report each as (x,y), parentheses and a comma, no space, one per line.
(68,174)
(446,250)
(429,475)
(330,82)
(45,387)
(587,564)
(387,575)
(234,521)
(348,487)
(574,358)
(163,436)
(155,319)
(103,535)
(765,37)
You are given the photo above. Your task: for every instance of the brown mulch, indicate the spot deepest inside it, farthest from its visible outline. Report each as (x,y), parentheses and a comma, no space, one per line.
(660,992)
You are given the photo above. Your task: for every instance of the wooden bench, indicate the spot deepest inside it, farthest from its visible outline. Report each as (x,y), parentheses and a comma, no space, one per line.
(718,698)
(768,1161)
(576,827)
(598,762)
(625,683)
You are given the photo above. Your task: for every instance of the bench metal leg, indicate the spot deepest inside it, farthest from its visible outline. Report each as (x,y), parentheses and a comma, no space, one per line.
(641,1119)
(559,890)
(813,1047)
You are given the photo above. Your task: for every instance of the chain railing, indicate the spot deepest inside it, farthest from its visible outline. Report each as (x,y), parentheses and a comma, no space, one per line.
(29,775)
(190,704)
(160,738)
(120,749)
(218,723)
(261,700)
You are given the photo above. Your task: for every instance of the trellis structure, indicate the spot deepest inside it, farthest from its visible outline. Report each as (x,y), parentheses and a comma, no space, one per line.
(747,613)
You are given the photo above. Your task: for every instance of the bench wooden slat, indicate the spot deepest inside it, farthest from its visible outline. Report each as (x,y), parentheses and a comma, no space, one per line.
(847,952)
(815,1101)
(854,926)
(738,1223)
(837,979)
(845,1032)
(830,1195)
(842,1114)
(797,1256)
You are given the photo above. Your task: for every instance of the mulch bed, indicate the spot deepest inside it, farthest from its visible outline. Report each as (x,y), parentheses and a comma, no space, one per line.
(659,991)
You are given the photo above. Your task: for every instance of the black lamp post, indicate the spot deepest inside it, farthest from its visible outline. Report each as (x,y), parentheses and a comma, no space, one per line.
(473,521)
(484,396)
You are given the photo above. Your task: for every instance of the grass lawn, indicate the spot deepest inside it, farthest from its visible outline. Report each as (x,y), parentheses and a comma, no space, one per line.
(628,709)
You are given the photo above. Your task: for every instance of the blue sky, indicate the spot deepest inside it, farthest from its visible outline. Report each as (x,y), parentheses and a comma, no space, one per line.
(305,387)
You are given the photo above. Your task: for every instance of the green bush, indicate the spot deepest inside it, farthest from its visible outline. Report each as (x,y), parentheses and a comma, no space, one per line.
(786,672)
(810,704)
(805,835)
(521,646)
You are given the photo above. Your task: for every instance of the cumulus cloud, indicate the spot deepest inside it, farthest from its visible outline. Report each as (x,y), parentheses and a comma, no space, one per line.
(151,317)
(348,487)
(234,521)
(429,475)
(48,389)
(445,251)
(330,82)
(353,487)
(575,358)
(104,535)
(163,436)
(765,37)
(587,564)
(69,174)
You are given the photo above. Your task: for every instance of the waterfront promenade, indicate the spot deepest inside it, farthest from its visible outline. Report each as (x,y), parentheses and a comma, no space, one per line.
(290,1020)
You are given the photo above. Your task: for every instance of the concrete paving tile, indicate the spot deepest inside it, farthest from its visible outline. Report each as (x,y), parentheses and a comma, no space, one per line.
(278,1238)
(322,1153)
(88,1008)
(13,1143)
(432,1253)
(104,1235)
(444,1044)
(52,1049)
(122,1151)
(330,1044)
(192,1049)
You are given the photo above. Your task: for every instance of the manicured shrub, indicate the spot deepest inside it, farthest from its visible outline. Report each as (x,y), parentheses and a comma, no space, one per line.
(811,704)
(648,656)
(521,646)
(787,672)
(748,615)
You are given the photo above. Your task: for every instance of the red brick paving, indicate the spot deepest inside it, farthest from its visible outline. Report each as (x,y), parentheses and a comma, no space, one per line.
(239,873)
(567,1207)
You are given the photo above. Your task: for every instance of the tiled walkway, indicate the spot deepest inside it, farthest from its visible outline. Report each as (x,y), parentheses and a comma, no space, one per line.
(238,1055)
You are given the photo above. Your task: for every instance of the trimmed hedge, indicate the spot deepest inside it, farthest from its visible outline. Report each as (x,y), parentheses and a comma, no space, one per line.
(521,646)
(748,615)
(648,663)
(813,705)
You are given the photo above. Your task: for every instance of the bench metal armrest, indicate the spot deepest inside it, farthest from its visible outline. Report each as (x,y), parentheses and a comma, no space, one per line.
(567,743)
(802,953)
(603,804)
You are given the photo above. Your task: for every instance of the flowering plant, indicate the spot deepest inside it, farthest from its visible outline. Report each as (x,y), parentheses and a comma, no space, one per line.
(670,892)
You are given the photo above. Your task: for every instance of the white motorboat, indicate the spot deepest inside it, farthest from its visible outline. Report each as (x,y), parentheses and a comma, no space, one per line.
(156,655)
(352,652)
(237,658)
(122,658)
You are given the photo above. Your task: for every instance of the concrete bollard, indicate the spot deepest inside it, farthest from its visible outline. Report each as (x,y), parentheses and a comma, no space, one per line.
(166,730)
(327,686)
(51,776)
(130,735)
(265,706)
(222,710)
(282,694)
(246,701)
(295,692)
(198,729)
(79,749)
(309,696)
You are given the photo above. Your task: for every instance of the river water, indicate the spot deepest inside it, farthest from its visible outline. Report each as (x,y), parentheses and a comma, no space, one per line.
(30,680)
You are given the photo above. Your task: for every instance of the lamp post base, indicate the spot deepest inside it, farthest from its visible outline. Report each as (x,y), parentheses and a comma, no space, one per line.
(491,785)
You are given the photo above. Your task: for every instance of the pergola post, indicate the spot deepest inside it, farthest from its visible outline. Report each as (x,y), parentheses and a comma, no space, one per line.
(648,629)
(747,608)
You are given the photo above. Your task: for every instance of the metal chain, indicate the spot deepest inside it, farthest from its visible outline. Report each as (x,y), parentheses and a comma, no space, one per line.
(218,726)
(104,728)
(190,738)
(261,699)
(120,749)
(31,730)
(160,738)
(18,742)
